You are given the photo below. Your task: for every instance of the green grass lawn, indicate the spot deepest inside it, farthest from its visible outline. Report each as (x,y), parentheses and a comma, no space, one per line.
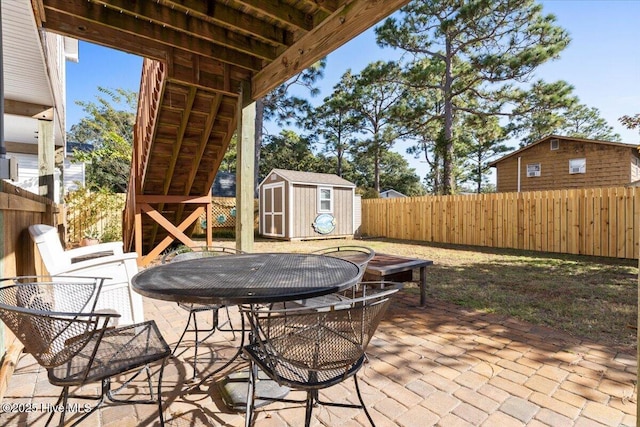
(589,297)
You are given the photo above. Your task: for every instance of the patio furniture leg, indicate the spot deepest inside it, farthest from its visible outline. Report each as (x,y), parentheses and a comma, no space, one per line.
(423,286)
(65,398)
(195,354)
(159,399)
(309,408)
(64,389)
(364,407)
(251,384)
(173,353)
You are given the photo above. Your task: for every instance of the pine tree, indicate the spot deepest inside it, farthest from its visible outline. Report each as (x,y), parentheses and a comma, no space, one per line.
(477,49)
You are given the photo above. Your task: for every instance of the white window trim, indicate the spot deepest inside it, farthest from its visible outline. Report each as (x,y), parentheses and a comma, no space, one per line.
(534,173)
(320,210)
(554,144)
(573,170)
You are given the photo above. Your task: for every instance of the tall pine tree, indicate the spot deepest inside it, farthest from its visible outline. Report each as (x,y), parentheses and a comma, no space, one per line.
(477,48)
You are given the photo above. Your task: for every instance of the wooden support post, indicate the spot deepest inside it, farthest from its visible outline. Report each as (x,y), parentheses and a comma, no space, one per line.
(245,164)
(209,220)
(46,158)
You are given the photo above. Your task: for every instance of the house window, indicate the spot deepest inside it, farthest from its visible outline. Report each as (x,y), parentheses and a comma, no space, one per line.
(533,169)
(325,199)
(577,166)
(555,144)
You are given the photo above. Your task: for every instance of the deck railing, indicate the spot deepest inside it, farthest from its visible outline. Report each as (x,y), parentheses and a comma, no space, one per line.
(151,85)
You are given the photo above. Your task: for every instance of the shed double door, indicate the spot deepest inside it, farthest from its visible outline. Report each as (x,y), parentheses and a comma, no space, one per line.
(273,215)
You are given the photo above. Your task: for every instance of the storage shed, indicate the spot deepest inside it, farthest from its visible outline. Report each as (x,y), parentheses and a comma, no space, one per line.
(305,205)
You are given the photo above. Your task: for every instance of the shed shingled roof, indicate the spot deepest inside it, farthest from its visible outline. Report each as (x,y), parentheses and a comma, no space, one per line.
(299,177)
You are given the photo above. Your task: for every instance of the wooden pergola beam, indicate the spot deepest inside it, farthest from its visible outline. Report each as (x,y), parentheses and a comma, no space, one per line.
(345,24)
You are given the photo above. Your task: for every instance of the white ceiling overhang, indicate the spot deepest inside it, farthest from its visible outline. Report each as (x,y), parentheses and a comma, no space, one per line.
(28,89)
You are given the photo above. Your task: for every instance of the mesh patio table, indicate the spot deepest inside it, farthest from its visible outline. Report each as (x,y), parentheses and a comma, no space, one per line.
(247,279)
(259,278)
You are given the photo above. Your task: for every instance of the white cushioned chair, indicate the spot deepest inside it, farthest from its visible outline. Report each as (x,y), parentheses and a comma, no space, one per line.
(103,260)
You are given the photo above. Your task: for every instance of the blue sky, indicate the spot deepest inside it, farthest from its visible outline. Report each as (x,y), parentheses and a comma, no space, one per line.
(602,63)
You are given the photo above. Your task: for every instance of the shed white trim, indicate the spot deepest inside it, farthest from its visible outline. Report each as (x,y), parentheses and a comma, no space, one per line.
(273,214)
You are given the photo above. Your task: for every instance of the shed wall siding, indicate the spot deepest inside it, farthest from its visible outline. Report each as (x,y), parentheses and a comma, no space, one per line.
(305,210)
(606,166)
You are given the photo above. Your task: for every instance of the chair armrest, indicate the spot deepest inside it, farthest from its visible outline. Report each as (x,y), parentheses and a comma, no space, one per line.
(103,262)
(114,247)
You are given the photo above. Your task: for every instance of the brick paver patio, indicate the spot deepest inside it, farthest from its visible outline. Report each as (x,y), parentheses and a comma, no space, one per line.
(439,365)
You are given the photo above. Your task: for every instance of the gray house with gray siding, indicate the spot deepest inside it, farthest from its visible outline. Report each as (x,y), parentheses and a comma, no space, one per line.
(306,205)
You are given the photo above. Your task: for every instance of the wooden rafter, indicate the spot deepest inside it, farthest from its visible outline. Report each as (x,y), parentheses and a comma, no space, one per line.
(345,24)
(326,6)
(192,26)
(21,108)
(204,73)
(285,14)
(110,22)
(233,19)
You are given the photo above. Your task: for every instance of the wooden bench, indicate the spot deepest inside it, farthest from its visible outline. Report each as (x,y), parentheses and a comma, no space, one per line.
(398,269)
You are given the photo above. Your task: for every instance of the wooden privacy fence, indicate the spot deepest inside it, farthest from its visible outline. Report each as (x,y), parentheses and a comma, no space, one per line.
(593,221)
(18,256)
(94,213)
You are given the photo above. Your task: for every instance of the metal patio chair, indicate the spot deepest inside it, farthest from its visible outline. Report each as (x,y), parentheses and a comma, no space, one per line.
(185,253)
(58,324)
(314,348)
(359,255)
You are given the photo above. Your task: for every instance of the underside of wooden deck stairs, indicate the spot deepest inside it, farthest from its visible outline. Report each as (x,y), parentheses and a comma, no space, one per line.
(182,133)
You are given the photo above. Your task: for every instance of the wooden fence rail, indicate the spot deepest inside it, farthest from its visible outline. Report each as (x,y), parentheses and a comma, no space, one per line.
(104,212)
(593,221)
(99,212)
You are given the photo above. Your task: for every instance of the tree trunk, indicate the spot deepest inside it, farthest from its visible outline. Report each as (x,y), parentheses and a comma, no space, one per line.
(448,154)
(339,147)
(376,169)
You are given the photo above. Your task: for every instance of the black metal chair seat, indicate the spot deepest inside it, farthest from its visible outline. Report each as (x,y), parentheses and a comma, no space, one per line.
(120,351)
(311,348)
(297,377)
